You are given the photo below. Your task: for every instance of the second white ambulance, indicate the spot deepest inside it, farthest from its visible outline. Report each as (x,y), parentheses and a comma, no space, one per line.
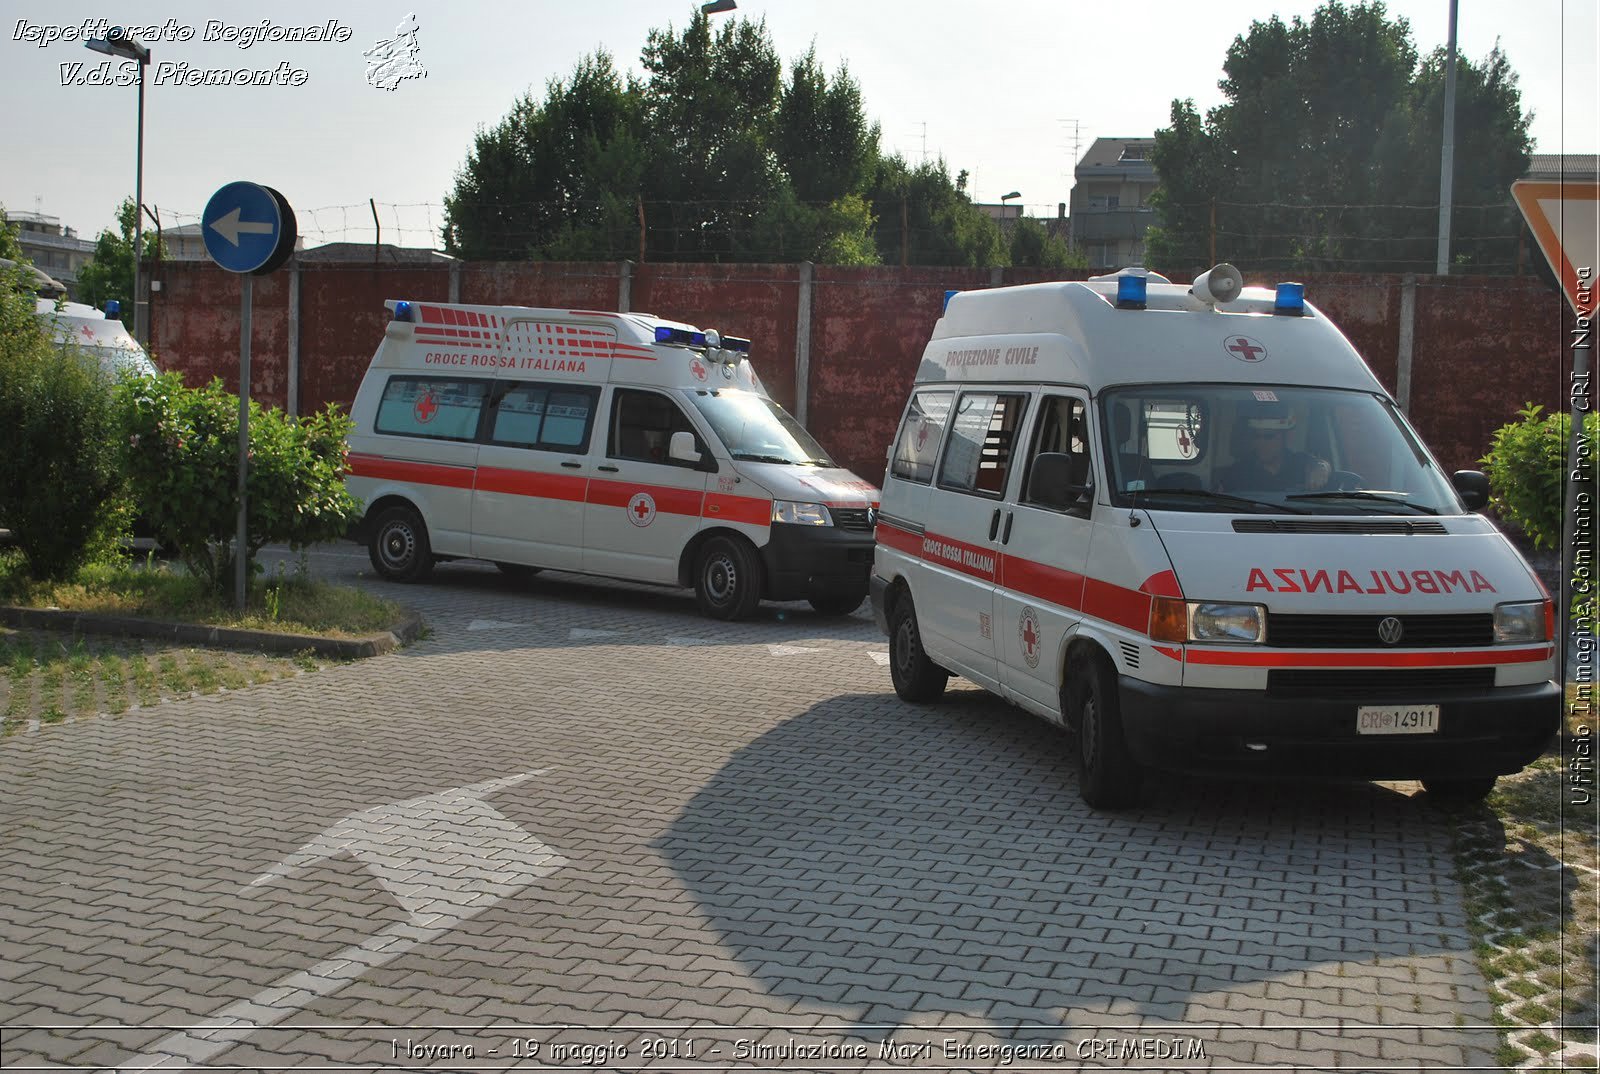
(1190,525)
(603,443)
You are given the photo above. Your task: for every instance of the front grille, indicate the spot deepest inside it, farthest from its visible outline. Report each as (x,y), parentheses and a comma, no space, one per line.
(1361,631)
(1378,684)
(1401,526)
(852,518)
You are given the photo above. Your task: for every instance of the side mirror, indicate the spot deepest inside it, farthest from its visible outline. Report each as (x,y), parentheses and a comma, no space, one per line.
(1058,479)
(1473,488)
(682,449)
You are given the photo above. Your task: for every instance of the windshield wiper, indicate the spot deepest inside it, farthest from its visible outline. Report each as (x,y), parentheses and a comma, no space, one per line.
(1381,497)
(750,456)
(1220,496)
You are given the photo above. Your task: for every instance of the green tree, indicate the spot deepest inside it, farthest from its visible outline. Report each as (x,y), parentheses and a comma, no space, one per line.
(554,178)
(940,226)
(728,159)
(1033,246)
(10,248)
(109,271)
(1327,126)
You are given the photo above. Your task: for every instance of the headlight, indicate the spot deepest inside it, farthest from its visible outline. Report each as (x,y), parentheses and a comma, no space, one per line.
(1175,620)
(801,514)
(1521,622)
(1226,622)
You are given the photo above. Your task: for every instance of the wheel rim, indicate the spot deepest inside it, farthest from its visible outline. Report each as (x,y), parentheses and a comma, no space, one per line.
(721,579)
(397,545)
(904,647)
(1089,733)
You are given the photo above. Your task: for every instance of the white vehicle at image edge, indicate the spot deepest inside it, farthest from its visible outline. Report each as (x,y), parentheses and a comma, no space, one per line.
(612,444)
(1189,525)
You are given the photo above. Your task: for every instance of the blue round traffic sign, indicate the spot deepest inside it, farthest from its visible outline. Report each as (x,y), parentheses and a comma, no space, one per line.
(248,228)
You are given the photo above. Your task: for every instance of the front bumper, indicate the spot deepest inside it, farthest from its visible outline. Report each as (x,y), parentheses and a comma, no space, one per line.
(1484,733)
(813,561)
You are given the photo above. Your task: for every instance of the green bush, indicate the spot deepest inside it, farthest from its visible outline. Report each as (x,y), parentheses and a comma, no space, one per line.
(1527,470)
(61,473)
(183,459)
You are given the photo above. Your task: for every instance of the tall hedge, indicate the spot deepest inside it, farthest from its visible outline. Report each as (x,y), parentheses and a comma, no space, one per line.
(61,473)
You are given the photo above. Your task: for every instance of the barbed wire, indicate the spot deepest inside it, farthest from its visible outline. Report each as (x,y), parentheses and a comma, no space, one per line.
(728,229)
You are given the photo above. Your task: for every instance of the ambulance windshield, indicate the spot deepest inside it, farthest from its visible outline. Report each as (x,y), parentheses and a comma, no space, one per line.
(755,429)
(1267,448)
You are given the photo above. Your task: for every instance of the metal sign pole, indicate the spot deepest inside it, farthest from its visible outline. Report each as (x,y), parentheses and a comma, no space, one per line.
(242,540)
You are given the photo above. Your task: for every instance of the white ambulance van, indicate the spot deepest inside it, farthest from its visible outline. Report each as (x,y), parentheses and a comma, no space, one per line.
(611,444)
(1190,525)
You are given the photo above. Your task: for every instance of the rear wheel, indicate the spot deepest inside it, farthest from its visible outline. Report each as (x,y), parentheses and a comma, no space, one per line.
(838,603)
(727,579)
(519,571)
(399,546)
(915,676)
(1465,791)
(1108,776)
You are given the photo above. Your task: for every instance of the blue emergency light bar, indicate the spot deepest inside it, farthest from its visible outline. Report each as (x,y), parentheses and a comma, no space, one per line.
(1130,292)
(1290,299)
(402,311)
(734,343)
(681,337)
(948,295)
(113,309)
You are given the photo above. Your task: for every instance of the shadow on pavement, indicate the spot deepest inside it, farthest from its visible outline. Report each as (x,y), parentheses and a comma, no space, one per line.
(899,864)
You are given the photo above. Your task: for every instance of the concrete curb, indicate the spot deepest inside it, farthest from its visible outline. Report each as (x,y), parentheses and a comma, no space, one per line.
(219,637)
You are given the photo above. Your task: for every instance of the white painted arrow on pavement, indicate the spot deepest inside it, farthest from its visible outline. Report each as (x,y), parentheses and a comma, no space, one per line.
(231,227)
(444,857)
(789,650)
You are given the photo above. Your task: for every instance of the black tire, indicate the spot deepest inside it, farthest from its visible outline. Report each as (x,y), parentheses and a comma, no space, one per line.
(838,603)
(399,547)
(727,579)
(1108,776)
(1459,791)
(520,572)
(916,677)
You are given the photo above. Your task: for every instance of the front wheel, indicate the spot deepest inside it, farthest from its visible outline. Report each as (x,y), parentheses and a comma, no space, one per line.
(915,676)
(1108,776)
(838,603)
(727,579)
(399,548)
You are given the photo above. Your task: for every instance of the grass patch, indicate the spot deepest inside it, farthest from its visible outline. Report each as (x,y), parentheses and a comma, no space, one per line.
(292,603)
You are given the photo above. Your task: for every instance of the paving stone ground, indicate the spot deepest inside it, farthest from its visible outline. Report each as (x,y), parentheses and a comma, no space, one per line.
(580,804)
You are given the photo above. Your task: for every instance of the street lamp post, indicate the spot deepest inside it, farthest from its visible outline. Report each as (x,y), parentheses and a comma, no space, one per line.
(1003,199)
(120,43)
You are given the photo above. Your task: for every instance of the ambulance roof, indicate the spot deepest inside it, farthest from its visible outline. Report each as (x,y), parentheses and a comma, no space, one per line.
(583,346)
(1074,333)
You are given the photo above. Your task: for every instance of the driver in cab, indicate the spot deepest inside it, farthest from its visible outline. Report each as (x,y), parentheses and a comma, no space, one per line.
(1266,463)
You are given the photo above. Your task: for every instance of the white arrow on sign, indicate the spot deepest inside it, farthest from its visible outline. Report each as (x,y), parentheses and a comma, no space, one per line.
(231,227)
(444,857)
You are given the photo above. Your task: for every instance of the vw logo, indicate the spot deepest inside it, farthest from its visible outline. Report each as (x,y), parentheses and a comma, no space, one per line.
(1390,630)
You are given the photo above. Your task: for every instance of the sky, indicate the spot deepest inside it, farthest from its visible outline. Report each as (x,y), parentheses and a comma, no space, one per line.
(1003,92)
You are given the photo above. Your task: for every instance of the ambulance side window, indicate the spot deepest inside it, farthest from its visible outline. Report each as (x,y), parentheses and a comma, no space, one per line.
(916,450)
(642,424)
(1062,435)
(544,417)
(981,443)
(439,408)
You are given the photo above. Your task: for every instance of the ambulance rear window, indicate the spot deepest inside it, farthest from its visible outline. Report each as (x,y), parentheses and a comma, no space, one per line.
(916,451)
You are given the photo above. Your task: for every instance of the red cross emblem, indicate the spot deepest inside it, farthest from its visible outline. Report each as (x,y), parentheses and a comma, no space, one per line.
(642,509)
(922,435)
(1028,631)
(698,369)
(88,333)
(1185,443)
(1245,349)
(426,408)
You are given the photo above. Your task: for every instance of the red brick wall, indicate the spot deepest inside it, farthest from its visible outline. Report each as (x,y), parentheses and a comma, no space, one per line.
(1482,348)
